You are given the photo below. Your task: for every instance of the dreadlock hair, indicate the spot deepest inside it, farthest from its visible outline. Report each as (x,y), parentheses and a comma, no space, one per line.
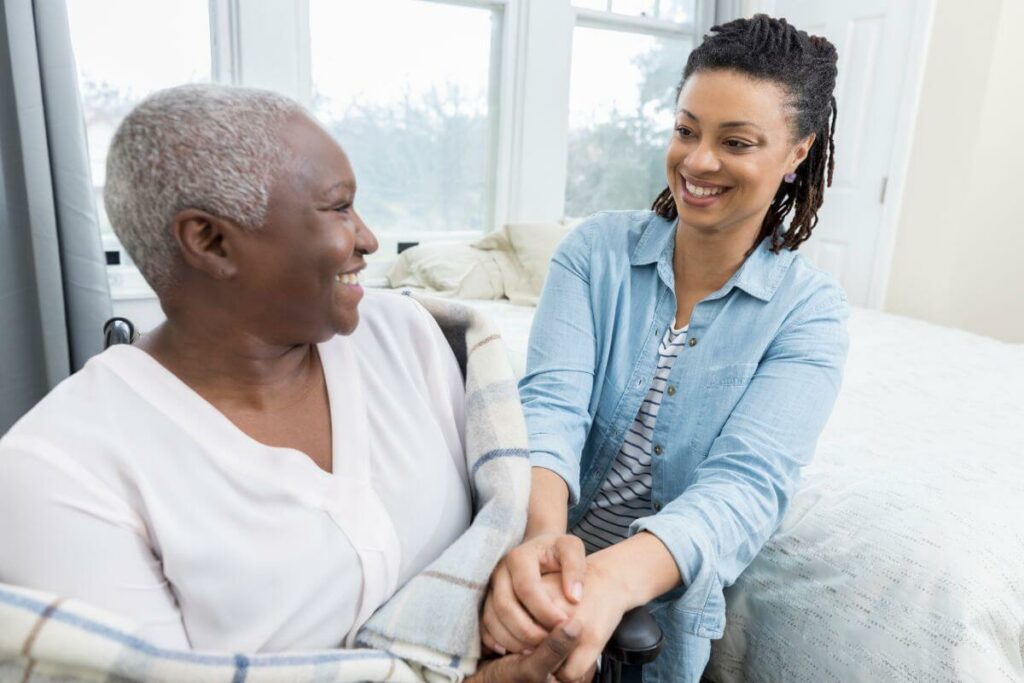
(805,67)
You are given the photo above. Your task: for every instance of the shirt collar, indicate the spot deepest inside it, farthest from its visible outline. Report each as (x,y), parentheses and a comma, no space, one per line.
(759,276)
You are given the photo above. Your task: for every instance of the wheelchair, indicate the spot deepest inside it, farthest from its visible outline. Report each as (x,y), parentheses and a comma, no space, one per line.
(637,639)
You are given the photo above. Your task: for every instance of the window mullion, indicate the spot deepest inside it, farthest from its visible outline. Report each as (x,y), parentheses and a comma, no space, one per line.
(539,155)
(272,44)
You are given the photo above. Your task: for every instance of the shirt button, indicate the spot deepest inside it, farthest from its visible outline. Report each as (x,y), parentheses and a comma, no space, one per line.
(657,506)
(658,450)
(693,341)
(671,391)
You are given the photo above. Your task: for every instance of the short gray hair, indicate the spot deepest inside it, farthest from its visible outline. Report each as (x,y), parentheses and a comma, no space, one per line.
(207,147)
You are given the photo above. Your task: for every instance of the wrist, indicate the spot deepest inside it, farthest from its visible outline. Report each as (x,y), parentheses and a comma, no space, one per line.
(608,574)
(640,568)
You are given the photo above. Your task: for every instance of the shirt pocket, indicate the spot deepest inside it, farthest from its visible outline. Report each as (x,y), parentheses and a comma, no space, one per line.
(721,388)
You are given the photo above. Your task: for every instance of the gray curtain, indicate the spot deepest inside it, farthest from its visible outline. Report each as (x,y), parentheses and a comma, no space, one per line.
(54,295)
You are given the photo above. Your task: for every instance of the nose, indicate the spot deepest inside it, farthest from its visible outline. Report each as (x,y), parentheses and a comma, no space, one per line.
(701,160)
(366,241)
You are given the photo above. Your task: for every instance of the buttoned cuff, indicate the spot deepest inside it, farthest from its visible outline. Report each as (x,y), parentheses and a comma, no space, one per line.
(702,601)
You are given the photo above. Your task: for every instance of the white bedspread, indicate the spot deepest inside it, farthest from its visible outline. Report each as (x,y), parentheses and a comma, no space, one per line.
(902,558)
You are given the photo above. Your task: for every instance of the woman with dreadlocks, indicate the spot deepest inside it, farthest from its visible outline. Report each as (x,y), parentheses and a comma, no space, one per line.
(682,364)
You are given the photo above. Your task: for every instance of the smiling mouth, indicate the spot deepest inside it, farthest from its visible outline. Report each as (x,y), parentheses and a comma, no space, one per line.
(701,192)
(348,278)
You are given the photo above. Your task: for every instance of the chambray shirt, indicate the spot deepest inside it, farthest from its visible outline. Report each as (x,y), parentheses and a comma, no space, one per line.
(744,403)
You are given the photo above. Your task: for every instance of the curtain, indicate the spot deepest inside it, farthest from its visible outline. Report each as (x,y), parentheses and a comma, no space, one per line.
(54,295)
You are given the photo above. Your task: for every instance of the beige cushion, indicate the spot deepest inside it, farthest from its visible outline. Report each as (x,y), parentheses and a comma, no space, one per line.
(523,252)
(450,269)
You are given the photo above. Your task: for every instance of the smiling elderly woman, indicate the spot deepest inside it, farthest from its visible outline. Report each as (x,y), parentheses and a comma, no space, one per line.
(263,470)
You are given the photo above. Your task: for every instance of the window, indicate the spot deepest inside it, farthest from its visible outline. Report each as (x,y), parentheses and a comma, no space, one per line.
(124,50)
(406,87)
(621,103)
(458,115)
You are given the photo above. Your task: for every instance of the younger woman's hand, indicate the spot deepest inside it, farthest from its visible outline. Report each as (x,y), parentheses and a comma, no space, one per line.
(520,610)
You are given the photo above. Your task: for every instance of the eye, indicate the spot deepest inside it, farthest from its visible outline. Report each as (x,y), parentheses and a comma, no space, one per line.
(738,144)
(684,132)
(342,208)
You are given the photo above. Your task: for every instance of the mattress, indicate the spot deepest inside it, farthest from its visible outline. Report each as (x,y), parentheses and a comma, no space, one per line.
(902,557)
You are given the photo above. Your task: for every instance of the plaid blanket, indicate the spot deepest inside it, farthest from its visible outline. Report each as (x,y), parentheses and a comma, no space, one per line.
(428,631)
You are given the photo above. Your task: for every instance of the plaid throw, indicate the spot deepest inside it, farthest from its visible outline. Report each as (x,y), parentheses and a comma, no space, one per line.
(428,631)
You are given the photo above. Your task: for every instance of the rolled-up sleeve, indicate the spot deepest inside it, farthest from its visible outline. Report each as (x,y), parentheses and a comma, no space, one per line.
(557,387)
(741,491)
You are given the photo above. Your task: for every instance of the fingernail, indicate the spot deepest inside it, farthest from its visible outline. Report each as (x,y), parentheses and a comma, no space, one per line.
(577,590)
(500,650)
(527,652)
(572,629)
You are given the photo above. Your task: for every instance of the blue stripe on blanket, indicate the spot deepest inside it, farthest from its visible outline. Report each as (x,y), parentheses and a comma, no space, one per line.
(499,453)
(239,661)
(241,669)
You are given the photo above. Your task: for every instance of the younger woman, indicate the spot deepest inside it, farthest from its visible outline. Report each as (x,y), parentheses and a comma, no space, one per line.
(682,364)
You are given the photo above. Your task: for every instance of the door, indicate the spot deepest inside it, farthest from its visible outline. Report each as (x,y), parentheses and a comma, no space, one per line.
(873,38)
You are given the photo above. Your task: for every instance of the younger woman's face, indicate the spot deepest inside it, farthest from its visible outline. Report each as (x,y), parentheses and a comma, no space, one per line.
(732,145)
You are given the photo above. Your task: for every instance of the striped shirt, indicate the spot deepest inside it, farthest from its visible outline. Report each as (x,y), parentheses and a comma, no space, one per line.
(625,494)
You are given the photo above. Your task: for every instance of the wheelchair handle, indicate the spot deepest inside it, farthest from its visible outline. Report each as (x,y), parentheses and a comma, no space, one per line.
(118,331)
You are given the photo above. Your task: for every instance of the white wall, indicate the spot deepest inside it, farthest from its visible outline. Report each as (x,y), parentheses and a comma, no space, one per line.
(960,243)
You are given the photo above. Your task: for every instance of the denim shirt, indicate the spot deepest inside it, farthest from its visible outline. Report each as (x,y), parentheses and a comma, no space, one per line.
(744,404)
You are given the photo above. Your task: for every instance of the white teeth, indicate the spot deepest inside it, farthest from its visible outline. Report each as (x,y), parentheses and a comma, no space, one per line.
(703,191)
(348,278)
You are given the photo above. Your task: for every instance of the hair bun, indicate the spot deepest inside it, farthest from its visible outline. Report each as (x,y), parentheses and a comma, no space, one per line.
(822,45)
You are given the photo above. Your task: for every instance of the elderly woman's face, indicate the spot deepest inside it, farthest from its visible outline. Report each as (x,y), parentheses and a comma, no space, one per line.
(302,268)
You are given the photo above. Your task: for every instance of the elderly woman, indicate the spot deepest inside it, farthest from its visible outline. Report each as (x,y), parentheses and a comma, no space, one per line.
(267,467)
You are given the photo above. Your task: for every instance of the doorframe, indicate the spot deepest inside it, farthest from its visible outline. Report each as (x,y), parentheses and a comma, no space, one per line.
(908,110)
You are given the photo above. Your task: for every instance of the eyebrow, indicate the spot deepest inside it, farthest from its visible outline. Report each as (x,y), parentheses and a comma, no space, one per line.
(340,185)
(725,124)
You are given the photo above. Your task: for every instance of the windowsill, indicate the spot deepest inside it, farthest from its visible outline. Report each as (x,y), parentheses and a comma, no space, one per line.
(127,283)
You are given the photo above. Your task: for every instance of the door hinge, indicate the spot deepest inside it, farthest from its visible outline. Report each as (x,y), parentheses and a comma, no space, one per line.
(885,185)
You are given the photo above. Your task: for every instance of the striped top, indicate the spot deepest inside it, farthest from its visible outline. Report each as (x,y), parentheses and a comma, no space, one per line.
(625,495)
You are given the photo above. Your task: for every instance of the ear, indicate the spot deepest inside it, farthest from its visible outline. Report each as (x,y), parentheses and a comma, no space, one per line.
(205,242)
(800,152)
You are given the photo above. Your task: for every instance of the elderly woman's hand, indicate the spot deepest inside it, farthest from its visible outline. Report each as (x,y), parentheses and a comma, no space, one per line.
(532,590)
(536,667)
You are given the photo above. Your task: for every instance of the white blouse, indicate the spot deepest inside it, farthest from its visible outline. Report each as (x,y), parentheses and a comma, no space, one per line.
(126,489)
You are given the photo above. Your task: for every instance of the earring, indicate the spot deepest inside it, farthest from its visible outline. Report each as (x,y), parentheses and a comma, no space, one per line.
(789,177)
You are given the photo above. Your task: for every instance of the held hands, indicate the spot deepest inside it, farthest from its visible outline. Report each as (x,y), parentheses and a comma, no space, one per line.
(519,612)
(536,667)
(538,585)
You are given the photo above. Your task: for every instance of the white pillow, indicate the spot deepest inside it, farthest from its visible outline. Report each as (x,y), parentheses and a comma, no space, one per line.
(448,268)
(523,252)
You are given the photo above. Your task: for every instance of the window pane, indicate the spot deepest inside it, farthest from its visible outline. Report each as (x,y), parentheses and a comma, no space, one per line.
(403,85)
(636,8)
(591,4)
(620,118)
(677,10)
(126,49)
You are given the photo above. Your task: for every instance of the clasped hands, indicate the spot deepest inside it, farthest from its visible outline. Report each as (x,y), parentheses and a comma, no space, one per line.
(547,586)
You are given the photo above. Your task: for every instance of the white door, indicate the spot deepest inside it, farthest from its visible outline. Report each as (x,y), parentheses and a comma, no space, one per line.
(873,38)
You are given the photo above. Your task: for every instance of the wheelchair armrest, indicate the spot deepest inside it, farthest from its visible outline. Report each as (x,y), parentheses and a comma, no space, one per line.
(637,639)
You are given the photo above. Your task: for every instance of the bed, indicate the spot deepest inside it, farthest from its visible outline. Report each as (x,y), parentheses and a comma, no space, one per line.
(902,557)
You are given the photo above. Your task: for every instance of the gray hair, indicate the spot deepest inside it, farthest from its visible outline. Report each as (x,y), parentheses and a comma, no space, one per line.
(208,147)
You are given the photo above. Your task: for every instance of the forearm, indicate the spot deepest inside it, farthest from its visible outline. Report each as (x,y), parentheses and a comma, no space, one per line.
(549,503)
(641,566)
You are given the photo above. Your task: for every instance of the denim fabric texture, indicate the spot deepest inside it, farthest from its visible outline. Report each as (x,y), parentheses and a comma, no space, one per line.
(749,395)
